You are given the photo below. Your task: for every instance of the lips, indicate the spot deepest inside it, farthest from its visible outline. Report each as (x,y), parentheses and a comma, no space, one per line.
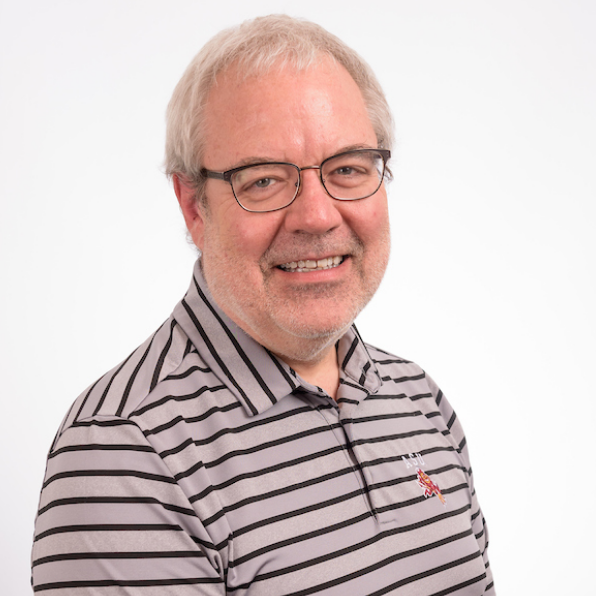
(307,265)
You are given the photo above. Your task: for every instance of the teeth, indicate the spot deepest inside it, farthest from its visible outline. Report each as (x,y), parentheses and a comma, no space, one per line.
(309,265)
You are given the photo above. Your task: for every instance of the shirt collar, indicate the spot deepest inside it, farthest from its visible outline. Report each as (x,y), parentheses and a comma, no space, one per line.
(252,373)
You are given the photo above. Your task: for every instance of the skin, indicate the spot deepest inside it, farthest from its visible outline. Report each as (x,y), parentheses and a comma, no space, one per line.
(302,118)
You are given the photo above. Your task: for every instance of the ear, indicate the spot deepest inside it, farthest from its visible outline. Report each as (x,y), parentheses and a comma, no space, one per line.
(191,209)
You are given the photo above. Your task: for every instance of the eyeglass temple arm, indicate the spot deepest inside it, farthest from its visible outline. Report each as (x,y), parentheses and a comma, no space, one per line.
(216,175)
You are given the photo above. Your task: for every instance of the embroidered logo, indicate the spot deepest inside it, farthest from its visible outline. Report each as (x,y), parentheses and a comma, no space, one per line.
(428,486)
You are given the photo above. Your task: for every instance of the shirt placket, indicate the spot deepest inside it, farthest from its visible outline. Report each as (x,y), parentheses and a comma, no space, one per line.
(341,426)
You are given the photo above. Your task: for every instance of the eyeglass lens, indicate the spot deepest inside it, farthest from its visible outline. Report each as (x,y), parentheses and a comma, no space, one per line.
(347,177)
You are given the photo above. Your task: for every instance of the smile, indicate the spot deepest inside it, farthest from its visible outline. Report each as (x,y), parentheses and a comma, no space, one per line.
(310,265)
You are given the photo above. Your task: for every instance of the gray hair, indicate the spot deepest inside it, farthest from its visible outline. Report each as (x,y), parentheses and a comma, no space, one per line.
(256,46)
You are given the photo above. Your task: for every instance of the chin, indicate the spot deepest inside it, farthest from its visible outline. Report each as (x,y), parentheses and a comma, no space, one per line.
(321,317)
(321,328)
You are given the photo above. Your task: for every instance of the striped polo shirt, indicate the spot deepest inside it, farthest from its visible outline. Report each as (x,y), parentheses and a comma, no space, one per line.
(203,464)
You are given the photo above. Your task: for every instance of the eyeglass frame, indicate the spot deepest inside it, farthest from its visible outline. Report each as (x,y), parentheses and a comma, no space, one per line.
(227,175)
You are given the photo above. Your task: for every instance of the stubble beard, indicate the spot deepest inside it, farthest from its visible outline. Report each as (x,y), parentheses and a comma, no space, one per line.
(267,314)
(311,339)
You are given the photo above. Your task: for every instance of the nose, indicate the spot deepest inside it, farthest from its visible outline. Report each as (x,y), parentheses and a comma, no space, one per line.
(313,211)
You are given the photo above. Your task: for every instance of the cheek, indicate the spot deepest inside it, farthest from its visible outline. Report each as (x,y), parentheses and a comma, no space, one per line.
(370,224)
(379,218)
(242,237)
(256,232)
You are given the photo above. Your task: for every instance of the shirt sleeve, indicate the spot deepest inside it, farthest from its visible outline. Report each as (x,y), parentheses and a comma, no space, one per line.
(113,520)
(458,439)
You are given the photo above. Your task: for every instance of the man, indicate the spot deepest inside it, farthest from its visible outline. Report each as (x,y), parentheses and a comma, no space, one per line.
(254,444)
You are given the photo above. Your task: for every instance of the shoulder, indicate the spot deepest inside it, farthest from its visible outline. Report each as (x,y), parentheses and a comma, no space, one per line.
(159,365)
(399,370)
(405,379)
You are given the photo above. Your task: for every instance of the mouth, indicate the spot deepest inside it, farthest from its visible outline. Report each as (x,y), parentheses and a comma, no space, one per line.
(312,265)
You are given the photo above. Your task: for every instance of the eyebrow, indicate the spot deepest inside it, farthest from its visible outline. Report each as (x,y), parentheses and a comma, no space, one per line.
(255,160)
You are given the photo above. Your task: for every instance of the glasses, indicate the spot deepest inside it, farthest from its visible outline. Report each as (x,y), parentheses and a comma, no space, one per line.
(347,176)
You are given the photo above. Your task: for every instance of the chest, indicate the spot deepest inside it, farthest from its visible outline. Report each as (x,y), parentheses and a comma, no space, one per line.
(312,487)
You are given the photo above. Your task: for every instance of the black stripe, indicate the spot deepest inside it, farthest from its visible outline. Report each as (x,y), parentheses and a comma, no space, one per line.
(109,528)
(187,373)
(364,371)
(178,448)
(109,474)
(353,385)
(434,571)
(413,414)
(101,447)
(405,378)
(465,584)
(430,415)
(184,397)
(118,500)
(350,352)
(189,348)
(420,396)
(162,357)
(345,400)
(95,422)
(388,396)
(190,471)
(226,431)
(146,583)
(395,437)
(179,554)
(462,444)
(107,389)
(85,400)
(215,355)
(133,376)
(391,361)
(451,421)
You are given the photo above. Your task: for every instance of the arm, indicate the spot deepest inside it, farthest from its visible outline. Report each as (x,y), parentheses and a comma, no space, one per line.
(458,439)
(111,514)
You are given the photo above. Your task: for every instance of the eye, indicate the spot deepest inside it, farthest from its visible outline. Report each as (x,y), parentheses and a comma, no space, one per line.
(345,171)
(264,182)
(349,173)
(259,179)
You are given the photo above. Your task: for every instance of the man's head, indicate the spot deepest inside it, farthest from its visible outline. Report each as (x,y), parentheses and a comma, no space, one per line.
(294,278)
(255,47)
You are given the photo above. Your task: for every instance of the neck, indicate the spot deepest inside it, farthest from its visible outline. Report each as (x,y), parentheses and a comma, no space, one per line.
(323,372)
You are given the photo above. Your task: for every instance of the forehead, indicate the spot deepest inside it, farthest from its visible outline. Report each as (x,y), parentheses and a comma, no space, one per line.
(284,111)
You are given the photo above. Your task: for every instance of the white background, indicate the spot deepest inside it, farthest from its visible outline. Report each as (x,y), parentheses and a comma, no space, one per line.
(491,283)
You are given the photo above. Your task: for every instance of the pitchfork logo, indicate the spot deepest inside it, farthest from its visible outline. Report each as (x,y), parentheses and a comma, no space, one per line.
(428,486)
